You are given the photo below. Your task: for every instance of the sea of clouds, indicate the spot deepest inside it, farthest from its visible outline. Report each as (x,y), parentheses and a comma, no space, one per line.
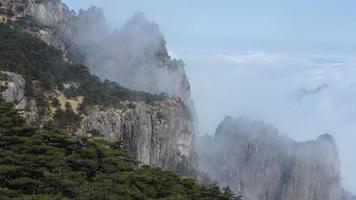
(304,96)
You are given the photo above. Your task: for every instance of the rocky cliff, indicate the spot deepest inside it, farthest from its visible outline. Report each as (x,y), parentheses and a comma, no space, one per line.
(255,161)
(13,90)
(43,18)
(134,56)
(158,132)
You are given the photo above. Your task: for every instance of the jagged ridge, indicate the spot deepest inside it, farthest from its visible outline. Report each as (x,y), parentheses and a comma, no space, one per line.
(255,161)
(158,130)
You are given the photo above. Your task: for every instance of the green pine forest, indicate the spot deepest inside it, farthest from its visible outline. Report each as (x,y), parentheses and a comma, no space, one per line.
(43,162)
(44,67)
(50,164)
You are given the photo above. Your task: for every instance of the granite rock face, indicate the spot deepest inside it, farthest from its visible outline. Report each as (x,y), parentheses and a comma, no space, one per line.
(139,49)
(256,162)
(134,56)
(47,12)
(13,91)
(158,134)
(48,18)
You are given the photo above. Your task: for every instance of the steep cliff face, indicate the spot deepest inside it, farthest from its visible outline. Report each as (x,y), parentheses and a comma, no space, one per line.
(13,86)
(13,91)
(49,15)
(253,159)
(159,133)
(134,56)
(48,12)
(316,171)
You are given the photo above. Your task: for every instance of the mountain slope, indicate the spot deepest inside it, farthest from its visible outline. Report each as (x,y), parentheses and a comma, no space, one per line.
(156,129)
(48,163)
(256,162)
(134,56)
(45,82)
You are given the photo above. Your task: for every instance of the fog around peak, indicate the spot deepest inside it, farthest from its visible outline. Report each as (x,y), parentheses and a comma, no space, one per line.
(268,87)
(291,65)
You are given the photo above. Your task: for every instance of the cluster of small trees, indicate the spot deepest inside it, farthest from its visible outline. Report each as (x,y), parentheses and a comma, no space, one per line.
(50,164)
(43,67)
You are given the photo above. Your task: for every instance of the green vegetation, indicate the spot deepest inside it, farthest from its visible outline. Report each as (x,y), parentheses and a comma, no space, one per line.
(67,118)
(48,1)
(7,12)
(50,164)
(186,110)
(44,69)
(183,168)
(28,23)
(2,11)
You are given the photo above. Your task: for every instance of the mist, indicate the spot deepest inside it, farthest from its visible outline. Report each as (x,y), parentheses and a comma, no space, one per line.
(304,96)
(133,55)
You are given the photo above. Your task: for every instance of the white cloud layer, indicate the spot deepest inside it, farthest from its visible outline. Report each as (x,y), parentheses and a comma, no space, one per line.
(282,90)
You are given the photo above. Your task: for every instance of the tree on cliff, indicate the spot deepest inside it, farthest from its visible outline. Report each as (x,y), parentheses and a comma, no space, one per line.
(51,164)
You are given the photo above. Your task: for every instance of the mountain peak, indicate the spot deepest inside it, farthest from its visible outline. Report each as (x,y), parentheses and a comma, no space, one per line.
(139,24)
(139,16)
(92,10)
(258,163)
(326,137)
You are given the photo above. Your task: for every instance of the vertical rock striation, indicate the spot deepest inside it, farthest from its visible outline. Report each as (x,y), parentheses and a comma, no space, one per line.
(13,91)
(255,161)
(158,134)
(135,56)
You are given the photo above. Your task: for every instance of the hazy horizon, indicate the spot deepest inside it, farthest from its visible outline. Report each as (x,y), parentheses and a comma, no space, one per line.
(290,64)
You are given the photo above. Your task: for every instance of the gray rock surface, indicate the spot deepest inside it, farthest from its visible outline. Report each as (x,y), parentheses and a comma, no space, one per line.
(134,56)
(47,12)
(13,91)
(158,134)
(255,161)
(50,38)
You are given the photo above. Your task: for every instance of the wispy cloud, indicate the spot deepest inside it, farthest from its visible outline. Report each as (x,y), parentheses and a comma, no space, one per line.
(265,86)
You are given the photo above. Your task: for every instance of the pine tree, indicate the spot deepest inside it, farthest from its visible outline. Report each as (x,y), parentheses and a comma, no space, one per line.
(50,164)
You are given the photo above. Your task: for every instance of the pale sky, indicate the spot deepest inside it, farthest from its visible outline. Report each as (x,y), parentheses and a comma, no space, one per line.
(249,57)
(240,25)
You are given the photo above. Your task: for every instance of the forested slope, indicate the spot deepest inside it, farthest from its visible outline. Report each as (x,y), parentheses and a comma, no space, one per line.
(49,163)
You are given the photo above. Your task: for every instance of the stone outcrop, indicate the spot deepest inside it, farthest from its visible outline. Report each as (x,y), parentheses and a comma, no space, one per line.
(50,38)
(256,162)
(134,56)
(48,20)
(13,91)
(158,134)
(47,12)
